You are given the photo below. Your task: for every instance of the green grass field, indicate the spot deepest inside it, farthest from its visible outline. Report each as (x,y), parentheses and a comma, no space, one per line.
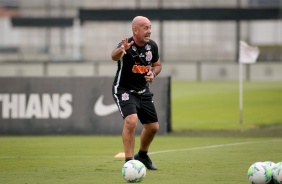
(208,144)
(215,105)
(90,159)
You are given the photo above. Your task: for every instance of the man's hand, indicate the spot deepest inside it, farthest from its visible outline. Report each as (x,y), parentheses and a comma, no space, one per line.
(149,77)
(155,70)
(119,52)
(125,45)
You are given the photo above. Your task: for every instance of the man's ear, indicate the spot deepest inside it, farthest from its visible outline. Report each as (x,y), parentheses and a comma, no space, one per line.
(134,30)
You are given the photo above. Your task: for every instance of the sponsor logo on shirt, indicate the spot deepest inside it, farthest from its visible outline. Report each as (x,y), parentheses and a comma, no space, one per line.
(140,69)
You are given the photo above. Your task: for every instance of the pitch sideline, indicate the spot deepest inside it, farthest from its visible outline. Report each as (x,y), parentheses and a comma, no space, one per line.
(151,153)
(208,147)
(212,146)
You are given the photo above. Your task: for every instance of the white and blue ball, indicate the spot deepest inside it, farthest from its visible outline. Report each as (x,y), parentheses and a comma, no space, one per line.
(270,164)
(133,171)
(259,173)
(277,173)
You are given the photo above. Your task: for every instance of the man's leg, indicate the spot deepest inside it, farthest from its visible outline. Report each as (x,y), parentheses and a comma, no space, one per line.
(148,133)
(128,135)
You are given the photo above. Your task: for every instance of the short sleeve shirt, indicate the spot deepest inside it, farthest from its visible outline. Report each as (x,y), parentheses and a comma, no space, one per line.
(134,65)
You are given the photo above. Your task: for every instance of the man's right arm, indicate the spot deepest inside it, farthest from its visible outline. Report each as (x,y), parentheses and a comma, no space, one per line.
(118,53)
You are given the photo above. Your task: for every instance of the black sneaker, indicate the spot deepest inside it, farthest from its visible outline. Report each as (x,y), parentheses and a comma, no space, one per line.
(146,161)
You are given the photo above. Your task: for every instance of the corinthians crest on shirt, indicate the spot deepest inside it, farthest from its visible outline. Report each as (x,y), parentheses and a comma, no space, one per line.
(125,97)
(149,56)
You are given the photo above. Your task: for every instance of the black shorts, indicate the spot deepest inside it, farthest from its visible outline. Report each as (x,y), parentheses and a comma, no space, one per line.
(130,102)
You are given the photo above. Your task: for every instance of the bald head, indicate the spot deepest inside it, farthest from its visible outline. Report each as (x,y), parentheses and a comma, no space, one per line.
(139,20)
(141,28)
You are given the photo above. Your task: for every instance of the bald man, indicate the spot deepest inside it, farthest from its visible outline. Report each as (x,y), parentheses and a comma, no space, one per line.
(138,65)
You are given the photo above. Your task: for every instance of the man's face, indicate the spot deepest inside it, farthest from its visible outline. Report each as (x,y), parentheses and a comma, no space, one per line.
(143,31)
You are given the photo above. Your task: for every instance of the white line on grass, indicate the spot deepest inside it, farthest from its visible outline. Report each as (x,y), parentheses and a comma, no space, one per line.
(151,153)
(212,146)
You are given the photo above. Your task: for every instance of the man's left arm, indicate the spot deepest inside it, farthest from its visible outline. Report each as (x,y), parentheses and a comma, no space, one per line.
(155,70)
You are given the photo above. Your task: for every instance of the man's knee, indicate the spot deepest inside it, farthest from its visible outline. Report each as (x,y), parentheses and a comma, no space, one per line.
(130,122)
(153,127)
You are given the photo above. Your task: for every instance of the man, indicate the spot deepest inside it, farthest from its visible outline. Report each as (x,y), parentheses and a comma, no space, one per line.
(138,65)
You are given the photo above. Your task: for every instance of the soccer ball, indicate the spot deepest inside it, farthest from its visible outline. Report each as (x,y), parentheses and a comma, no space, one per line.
(277,173)
(269,164)
(259,173)
(133,171)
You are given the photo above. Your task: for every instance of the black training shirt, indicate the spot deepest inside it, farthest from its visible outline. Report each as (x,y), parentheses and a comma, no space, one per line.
(134,65)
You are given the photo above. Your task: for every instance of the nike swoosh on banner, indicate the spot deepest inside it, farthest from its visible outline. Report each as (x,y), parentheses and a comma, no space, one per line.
(103,110)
